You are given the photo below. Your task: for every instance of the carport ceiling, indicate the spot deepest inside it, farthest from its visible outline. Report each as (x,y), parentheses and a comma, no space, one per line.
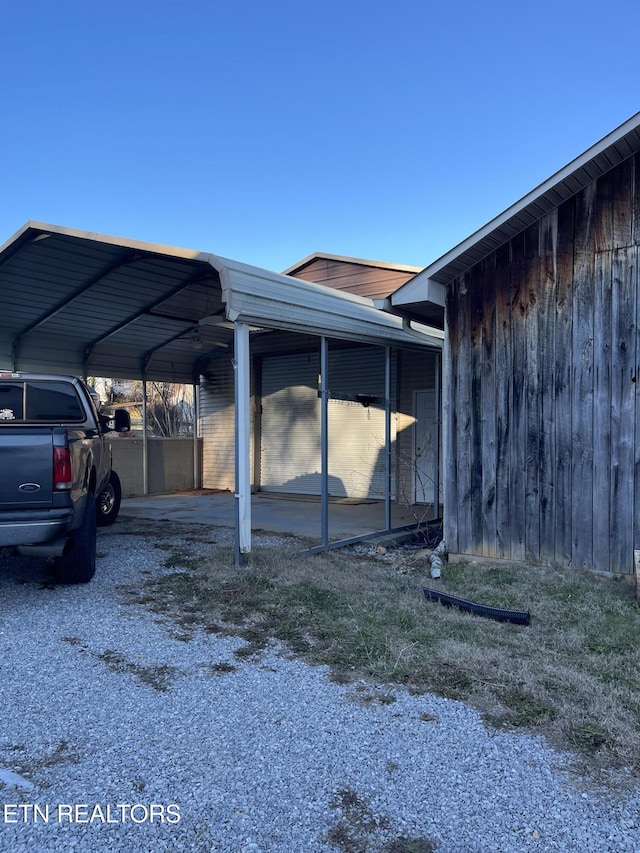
(93,305)
(79,303)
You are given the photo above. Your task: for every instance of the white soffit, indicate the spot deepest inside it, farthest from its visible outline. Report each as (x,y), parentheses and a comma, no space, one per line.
(276,301)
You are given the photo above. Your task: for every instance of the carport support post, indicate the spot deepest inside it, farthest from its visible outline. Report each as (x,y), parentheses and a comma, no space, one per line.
(387,438)
(242,440)
(145,443)
(436,461)
(324,441)
(196,455)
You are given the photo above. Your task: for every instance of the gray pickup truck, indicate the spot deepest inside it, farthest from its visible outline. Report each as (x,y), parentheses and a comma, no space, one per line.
(56,482)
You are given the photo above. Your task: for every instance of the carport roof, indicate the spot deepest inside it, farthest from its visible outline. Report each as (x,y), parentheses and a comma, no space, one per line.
(89,304)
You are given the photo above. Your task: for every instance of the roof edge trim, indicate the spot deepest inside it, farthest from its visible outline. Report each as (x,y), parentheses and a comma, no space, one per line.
(271,300)
(315,256)
(44,228)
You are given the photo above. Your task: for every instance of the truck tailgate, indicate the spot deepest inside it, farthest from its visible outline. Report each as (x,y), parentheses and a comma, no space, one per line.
(26,469)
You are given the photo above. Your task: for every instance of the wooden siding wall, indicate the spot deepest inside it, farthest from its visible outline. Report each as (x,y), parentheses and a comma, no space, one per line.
(543,415)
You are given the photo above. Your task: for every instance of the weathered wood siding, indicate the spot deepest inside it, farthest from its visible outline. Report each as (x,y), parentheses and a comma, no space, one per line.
(543,418)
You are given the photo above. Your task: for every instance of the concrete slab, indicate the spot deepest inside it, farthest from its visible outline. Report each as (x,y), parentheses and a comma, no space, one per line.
(300,516)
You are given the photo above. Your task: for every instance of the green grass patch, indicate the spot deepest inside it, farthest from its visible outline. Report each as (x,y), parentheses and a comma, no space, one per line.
(526,709)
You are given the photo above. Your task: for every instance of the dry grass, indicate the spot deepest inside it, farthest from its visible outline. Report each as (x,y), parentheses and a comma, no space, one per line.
(573,675)
(359,827)
(34,768)
(158,676)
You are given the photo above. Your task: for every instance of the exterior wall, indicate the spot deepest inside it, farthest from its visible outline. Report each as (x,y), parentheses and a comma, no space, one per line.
(217,426)
(286,419)
(290,439)
(543,447)
(170,464)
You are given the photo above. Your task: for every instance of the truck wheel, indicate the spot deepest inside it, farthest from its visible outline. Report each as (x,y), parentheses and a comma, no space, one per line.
(78,565)
(108,501)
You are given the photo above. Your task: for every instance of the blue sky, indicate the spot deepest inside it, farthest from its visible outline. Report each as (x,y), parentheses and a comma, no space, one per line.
(265,131)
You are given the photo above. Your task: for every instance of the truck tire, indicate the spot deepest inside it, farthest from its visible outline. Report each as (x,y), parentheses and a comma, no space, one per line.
(78,565)
(108,501)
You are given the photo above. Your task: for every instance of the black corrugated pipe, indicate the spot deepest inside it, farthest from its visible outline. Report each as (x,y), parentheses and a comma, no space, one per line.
(518,617)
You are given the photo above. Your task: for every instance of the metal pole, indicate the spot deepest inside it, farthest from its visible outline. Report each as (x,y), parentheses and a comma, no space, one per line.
(145,446)
(436,461)
(196,455)
(324,441)
(387,438)
(242,440)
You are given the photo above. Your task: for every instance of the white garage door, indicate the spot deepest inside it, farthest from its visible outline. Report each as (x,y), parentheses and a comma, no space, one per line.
(290,438)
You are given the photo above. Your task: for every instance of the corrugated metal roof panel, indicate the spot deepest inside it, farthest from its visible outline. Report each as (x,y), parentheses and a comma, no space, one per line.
(100,305)
(282,302)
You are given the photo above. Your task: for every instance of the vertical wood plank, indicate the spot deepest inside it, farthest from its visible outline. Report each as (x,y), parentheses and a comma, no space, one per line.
(517,442)
(532,393)
(475,364)
(635,237)
(563,372)
(634,180)
(582,398)
(546,369)
(635,200)
(464,417)
(504,385)
(635,258)
(622,409)
(602,410)
(488,405)
(623,177)
(603,213)
(450,417)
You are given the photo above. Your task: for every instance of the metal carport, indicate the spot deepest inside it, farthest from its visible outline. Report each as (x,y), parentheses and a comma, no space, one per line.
(89,304)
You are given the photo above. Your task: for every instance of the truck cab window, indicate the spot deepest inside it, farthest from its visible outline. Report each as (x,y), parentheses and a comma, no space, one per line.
(11,402)
(53,401)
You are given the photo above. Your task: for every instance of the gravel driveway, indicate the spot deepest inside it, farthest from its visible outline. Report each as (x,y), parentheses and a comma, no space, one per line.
(116,735)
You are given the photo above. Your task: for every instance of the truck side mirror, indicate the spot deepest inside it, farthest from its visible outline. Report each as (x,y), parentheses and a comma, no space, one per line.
(122,420)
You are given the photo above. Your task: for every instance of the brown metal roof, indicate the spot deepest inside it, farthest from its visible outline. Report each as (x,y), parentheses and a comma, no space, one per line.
(373,279)
(310,259)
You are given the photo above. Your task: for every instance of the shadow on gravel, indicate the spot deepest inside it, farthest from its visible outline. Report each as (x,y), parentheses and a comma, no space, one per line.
(25,571)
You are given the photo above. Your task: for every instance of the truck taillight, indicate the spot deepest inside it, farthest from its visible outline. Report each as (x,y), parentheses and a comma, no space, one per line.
(61,469)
